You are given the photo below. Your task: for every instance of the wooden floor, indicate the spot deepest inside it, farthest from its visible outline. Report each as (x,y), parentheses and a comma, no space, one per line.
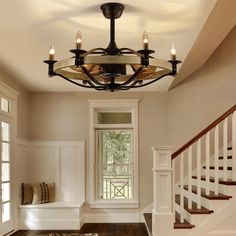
(103,229)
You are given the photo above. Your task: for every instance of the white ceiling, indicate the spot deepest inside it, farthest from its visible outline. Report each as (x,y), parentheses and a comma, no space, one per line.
(29,27)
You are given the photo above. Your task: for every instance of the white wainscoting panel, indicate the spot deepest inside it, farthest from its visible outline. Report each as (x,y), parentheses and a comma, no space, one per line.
(72,182)
(62,162)
(42,161)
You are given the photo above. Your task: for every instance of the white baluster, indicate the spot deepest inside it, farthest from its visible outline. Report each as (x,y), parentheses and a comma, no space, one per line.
(190,177)
(199,174)
(208,163)
(216,185)
(225,149)
(181,187)
(234,146)
(173,184)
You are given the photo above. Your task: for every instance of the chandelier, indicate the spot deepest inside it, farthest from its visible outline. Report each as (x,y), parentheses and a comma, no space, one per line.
(112,68)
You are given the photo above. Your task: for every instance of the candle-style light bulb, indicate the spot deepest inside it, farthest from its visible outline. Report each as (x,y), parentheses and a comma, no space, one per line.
(78,40)
(145,40)
(51,53)
(173,52)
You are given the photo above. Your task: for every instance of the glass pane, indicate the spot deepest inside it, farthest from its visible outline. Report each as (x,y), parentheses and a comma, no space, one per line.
(5,131)
(119,187)
(114,118)
(115,164)
(115,146)
(5,172)
(5,152)
(6,209)
(4,105)
(5,192)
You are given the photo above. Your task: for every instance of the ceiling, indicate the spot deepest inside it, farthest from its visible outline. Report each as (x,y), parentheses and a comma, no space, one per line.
(29,27)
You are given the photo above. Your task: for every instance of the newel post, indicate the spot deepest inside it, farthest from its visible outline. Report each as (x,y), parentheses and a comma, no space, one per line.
(162,213)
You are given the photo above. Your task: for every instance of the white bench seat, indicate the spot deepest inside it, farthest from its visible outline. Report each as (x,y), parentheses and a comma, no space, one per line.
(49,216)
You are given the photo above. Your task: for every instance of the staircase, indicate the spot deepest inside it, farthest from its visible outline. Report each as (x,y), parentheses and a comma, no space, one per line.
(203,199)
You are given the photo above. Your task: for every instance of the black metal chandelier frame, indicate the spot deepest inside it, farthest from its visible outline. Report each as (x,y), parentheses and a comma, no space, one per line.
(111,63)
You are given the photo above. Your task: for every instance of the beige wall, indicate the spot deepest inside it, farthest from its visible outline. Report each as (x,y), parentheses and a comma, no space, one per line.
(64,116)
(23,115)
(204,96)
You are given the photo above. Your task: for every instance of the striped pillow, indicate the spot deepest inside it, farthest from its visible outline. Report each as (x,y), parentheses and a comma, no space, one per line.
(43,193)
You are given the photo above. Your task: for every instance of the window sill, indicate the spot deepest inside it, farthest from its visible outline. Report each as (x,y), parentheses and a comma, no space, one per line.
(114,204)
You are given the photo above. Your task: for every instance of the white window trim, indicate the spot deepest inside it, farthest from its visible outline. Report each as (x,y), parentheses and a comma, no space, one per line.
(112,105)
(11,117)
(11,95)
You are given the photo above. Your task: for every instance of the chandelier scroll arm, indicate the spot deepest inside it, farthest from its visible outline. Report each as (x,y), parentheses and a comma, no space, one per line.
(73,82)
(130,86)
(94,51)
(153,81)
(131,51)
(99,88)
(133,77)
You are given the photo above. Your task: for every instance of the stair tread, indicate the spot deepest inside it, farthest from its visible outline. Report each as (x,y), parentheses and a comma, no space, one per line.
(194,209)
(221,181)
(148,220)
(211,196)
(220,167)
(178,225)
(228,157)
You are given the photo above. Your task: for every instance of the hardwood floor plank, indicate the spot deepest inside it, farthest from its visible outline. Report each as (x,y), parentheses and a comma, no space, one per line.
(103,229)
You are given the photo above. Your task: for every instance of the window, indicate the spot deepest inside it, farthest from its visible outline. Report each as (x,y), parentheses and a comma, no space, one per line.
(8,103)
(5,163)
(114,164)
(5,105)
(113,136)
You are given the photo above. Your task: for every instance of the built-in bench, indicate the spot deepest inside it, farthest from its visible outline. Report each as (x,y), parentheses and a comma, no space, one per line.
(59,162)
(55,215)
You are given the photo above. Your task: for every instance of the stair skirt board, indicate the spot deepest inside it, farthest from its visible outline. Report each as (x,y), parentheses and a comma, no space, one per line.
(148,222)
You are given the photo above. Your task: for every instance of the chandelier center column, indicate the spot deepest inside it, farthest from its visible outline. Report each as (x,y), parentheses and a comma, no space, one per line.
(112,11)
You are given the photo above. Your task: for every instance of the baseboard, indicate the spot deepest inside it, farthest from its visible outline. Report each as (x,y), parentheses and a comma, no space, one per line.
(70,224)
(147,209)
(112,218)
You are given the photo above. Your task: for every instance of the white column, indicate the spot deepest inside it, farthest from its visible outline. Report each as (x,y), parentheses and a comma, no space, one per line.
(162,214)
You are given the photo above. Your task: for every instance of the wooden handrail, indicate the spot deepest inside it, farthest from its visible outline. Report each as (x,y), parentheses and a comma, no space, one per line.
(203,132)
